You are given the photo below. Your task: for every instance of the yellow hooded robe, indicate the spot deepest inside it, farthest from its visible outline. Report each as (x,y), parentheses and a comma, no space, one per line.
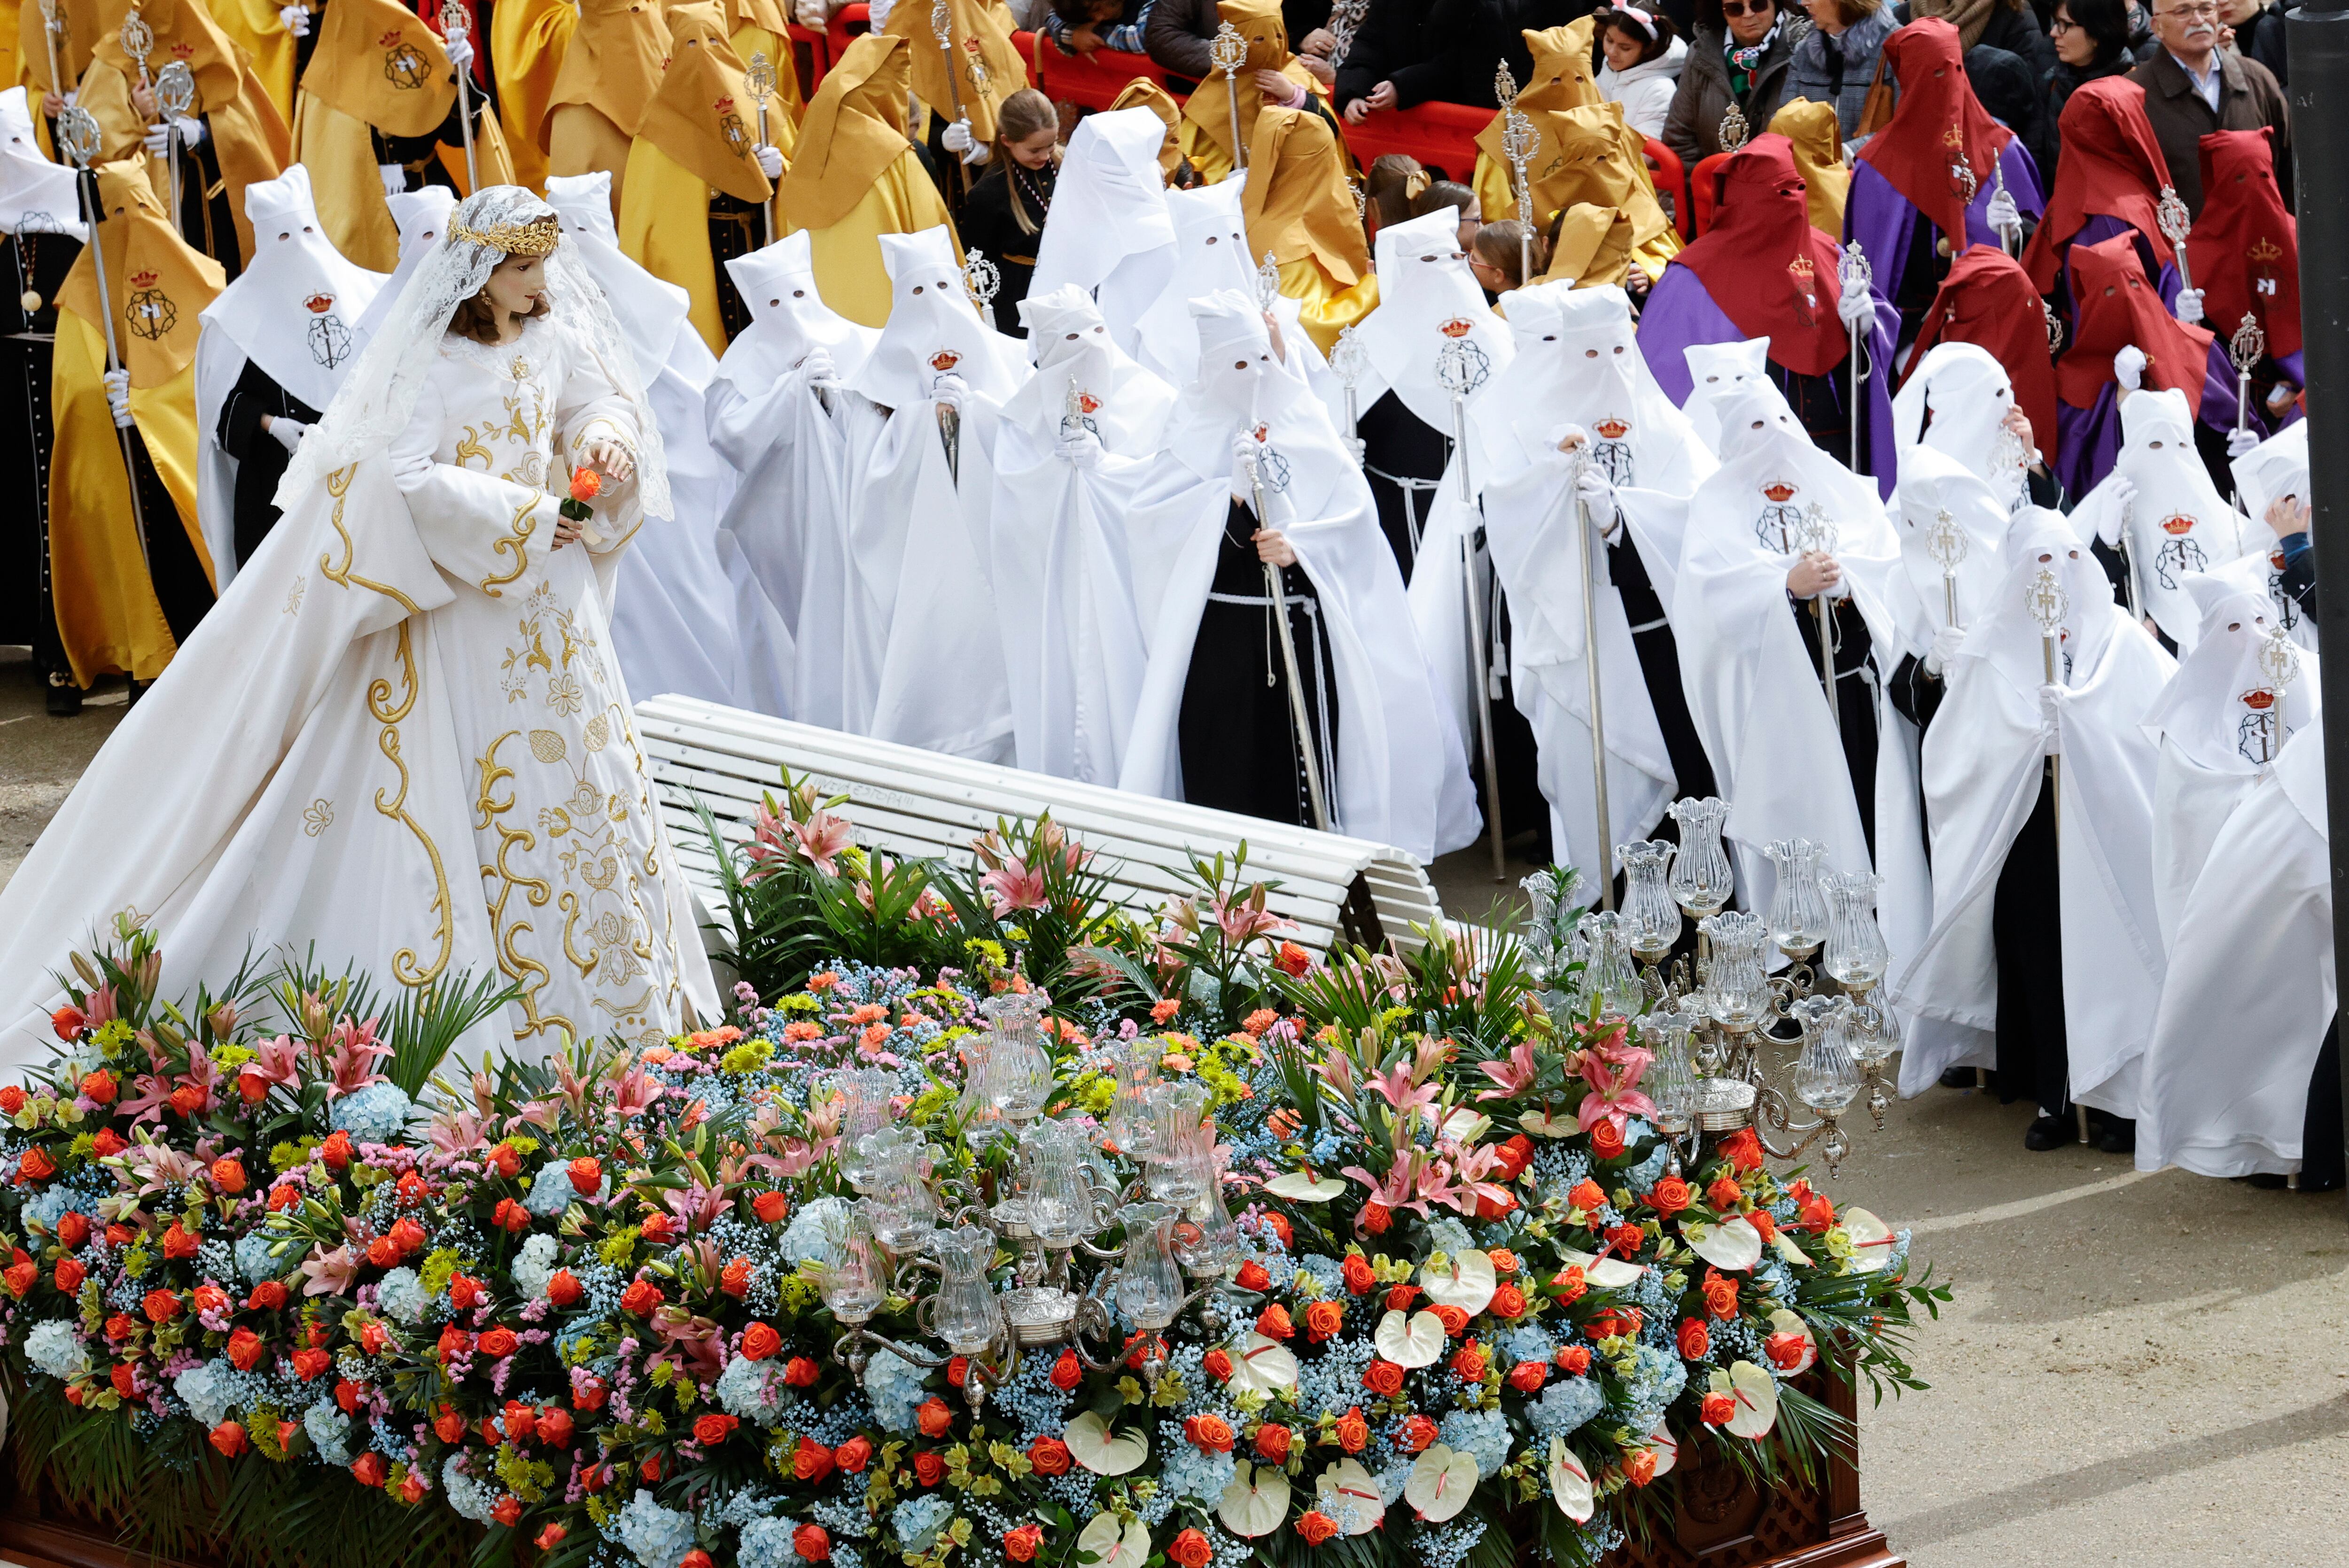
(1594,247)
(610,72)
(529,40)
(1206,129)
(1817,136)
(989,67)
(1143,93)
(1299,207)
(1562,80)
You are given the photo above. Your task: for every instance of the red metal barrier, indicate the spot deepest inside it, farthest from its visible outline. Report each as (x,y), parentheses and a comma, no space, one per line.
(1440,135)
(842,30)
(1671,181)
(1705,191)
(1090,81)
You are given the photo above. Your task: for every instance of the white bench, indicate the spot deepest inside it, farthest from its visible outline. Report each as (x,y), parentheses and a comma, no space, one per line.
(917,804)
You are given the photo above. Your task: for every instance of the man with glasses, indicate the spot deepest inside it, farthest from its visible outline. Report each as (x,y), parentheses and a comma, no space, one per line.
(2193,88)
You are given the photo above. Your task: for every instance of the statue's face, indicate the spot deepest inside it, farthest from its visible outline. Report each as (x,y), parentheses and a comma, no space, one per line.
(516,285)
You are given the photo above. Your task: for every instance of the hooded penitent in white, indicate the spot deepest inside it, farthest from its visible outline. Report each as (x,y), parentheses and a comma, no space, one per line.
(1109,233)
(1751,672)
(1716,370)
(1398,779)
(419,216)
(796,440)
(36,195)
(1983,771)
(2220,723)
(2251,987)
(2275,469)
(293,313)
(1578,366)
(689,615)
(920,526)
(1210,256)
(2176,522)
(1956,457)
(1071,449)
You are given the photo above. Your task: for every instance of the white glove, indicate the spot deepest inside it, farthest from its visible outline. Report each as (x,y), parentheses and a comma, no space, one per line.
(817,365)
(810,13)
(2187,307)
(770,162)
(2005,216)
(159,137)
(287,432)
(1857,309)
(394,178)
(117,397)
(2128,368)
(1598,493)
(957,138)
(2240,441)
(461,53)
(2051,718)
(1080,449)
(949,389)
(1944,649)
(296,20)
(2122,491)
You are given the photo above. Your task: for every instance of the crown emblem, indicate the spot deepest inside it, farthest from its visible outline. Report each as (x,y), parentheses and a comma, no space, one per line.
(1802,266)
(144,280)
(2178,526)
(2267,250)
(388,39)
(1615,430)
(1954,137)
(182,51)
(1780,492)
(724,106)
(319,304)
(2259,699)
(1087,403)
(2275,558)
(1458,326)
(944,360)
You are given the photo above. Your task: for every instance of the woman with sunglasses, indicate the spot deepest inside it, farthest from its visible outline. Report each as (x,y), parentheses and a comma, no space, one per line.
(1739,55)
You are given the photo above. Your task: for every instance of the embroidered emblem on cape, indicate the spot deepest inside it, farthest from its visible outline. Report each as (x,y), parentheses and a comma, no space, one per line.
(1612,451)
(1779,528)
(2179,554)
(404,64)
(149,311)
(944,360)
(329,340)
(2259,733)
(731,127)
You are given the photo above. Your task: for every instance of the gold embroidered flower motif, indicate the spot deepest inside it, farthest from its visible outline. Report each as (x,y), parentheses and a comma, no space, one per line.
(563,695)
(317,817)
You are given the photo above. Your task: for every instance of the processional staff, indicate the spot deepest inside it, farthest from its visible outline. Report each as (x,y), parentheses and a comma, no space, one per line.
(1300,718)
(2048,604)
(1853,272)
(1585,542)
(78,137)
(1819,538)
(942,29)
(1518,139)
(1227,52)
(1947,545)
(457,28)
(758,81)
(175,95)
(1460,370)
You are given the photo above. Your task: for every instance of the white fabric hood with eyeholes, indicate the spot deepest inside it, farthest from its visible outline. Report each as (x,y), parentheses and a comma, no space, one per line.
(2275,469)
(651,310)
(419,216)
(1715,370)
(1210,256)
(788,317)
(293,310)
(933,328)
(36,195)
(1429,300)
(2177,522)
(1109,228)
(1981,777)
(1081,374)
(1956,401)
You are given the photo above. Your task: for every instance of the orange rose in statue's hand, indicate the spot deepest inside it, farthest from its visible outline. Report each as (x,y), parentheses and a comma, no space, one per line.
(586,484)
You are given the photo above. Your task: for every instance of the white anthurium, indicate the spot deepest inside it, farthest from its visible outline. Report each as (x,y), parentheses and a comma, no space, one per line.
(1466,1282)
(1789,1251)
(1786,1328)
(1304,1186)
(1734,1245)
(1093,1444)
(1871,1240)
(1570,1484)
(1667,1449)
(1349,1497)
(1602,1273)
(1263,1365)
(1755,1393)
(1113,1543)
(1256,1501)
(1410,1339)
(1466,1126)
(1543,1125)
(1442,1481)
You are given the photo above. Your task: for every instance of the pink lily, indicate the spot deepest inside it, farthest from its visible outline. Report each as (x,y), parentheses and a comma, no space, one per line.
(278,1061)
(1013,886)
(1401,1187)
(1246,920)
(1395,1086)
(1471,1166)
(331,1273)
(352,1051)
(1612,1071)
(1514,1076)
(822,837)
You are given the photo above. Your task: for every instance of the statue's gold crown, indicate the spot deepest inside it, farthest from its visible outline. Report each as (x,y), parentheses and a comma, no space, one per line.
(536,238)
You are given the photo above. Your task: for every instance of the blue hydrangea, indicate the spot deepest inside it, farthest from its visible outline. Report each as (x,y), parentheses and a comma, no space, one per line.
(767,1543)
(1528,1342)
(533,1266)
(254,1260)
(802,1239)
(58,1202)
(1391,1480)
(56,1349)
(1482,1435)
(1326,1272)
(1190,1471)
(1564,1406)
(919,1518)
(375,1114)
(1449,1236)
(658,1536)
(205,1389)
(897,1389)
(329,1432)
(551,1190)
(402,1294)
(751,1390)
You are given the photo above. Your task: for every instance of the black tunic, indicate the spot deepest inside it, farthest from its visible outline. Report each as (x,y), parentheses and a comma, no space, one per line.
(208,222)
(1855,683)
(37,263)
(989,221)
(261,458)
(1660,668)
(1403,458)
(1236,728)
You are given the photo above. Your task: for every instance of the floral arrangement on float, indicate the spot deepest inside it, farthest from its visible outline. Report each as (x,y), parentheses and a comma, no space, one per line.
(1088,1239)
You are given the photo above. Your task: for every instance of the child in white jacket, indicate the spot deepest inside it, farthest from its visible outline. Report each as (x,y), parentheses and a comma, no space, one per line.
(1643,55)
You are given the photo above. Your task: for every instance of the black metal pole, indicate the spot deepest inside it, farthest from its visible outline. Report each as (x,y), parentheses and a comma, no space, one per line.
(2317,36)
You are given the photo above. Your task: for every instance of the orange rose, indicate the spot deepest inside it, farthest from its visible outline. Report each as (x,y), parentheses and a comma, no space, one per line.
(1315,1527)
(1587,1196)
(771,1208)
(1049,1456)
(1720,1294)
(1761,1221)
(1724,1193)
(929,1469)
(1527,1377)
(1324,1318)
(799,1372)
(1360,1276)
(1718,1409)
(1607,1140)
(1190,1549)
(1210,1432)
(1743,1150)
(1695,1340)
(1507,1301)
(934,1419)
(1785,1350)
(1669,1196)
(713,1429)
(368,1468)
(1383,1378)
(1375,1218)
(1569,1284)
(1252,1276)
(1468,1362)
(586,484)
(244,1349)
(229,1439)
(1415,1435)
(1067,1371)
(1272,1442)
(812,1542)
(1353,1432)
(1273,1323)
(811,1462)
(1400,1298)
(1639,1466)
(1217,1364)
(1505,1262)
(759,1341)
(1451,1317)
(1020,1546)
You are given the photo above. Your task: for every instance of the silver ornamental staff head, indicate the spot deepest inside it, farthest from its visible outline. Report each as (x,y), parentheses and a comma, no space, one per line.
(1518,138)
(759,77)
(137,39)
(53,17)
(2175,221)
(2055,330)
(1227,52)
(1853,270)
(1964,168)
(980,279)
(1347,355)
(1267,282)
(175,89)
(1947,544)
(1818,534)
(2279,660)
(942,23)
(77,135)
(2047,602)
(2248,344)
(456,21)
(1505,86)
(1733,130)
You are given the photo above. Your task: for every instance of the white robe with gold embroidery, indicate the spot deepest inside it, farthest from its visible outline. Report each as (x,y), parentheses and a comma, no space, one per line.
(403,744)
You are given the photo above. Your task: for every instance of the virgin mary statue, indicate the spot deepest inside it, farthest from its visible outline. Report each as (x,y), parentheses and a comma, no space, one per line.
(401,741)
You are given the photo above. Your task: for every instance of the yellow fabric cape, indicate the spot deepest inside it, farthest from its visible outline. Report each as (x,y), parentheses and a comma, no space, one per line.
(1207,114)
(1562,80)
(1594,247)
(268,47)
(701,117)
(1297,202)
(1143,93)
(614,62)
(989,66)
(1817,136)
(528,42)
(376,62)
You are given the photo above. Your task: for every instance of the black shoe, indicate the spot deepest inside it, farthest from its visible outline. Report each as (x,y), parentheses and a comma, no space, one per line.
(136,690)
(2328,1184)
(2268,1181)
(2118,1135)
(64,700)
(1959,1078)
(2048,1133)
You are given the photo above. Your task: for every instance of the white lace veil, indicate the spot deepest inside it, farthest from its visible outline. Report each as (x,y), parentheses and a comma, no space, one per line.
(379,396)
